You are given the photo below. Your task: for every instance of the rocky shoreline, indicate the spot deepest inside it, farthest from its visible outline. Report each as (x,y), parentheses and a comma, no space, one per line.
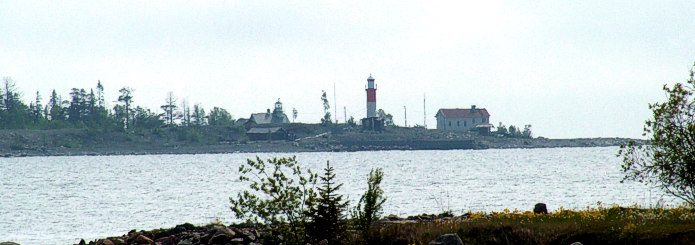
(79,142)
(188,234)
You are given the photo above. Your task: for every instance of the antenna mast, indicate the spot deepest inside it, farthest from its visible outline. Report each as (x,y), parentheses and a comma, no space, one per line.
(424,110)
(405,114)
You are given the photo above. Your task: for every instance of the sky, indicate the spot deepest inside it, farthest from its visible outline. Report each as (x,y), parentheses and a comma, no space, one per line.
(571,69)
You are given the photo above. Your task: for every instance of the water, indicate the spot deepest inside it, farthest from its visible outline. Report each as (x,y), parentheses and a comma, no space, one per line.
(58,200)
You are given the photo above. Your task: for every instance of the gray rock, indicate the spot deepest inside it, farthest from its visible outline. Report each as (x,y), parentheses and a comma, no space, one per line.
(186,242)
(576,243)
(540,208)
(141,239)
(447,239)
(220,238)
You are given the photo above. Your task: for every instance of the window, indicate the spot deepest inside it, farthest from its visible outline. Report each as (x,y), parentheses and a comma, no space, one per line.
(465,124)
(449,123)
(458,123)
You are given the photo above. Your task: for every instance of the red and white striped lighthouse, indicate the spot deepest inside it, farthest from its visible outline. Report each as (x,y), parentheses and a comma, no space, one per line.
(371,97)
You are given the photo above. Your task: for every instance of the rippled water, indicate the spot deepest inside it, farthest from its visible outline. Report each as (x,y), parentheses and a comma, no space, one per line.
(58,200)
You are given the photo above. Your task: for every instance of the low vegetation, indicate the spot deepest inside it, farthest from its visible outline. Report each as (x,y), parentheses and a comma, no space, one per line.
(601,225)
(283,198)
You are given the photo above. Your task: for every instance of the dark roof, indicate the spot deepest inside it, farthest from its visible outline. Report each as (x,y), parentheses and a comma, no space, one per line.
(264,130)
(269,118)
(240,122)
(463,113)
(261,118)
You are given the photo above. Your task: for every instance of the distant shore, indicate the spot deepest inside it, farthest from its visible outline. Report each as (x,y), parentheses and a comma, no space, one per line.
(310,138)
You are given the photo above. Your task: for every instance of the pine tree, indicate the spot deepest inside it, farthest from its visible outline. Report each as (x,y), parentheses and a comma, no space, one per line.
(327,220)
(55,105)
(100,95)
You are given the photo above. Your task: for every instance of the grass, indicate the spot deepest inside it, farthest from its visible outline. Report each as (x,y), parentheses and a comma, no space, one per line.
(601,225)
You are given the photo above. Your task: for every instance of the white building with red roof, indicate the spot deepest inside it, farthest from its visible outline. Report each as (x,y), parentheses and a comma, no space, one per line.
(462,119)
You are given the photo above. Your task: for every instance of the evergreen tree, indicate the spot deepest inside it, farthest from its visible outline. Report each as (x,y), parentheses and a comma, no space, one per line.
(198,115)
(55,107)
(294,114)
(185,113)
(327,220)
(144,118)
(76,108)
(15,113)
(169,108)
(100,95)
(126,98)
(37,109)
(326,120)
(220,117)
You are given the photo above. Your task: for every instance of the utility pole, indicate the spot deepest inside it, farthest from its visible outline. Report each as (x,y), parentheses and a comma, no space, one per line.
(335,105)
(405,114)
(345,114)
(424,110)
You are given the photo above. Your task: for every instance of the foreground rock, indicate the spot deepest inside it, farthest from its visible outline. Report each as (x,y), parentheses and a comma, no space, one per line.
(187,234)
(540,208)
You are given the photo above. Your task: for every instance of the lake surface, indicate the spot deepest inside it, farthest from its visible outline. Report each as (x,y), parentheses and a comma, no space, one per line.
(58,200)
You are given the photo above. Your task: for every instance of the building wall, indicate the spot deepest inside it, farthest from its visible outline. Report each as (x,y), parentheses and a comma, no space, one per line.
(371,109)
(460,124)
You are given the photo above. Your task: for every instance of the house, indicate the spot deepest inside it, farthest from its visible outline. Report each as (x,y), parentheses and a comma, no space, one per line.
(463,119)
(276,117)
(273,133)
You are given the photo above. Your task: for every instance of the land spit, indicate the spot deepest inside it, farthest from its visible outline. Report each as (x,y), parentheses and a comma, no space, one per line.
(305,138)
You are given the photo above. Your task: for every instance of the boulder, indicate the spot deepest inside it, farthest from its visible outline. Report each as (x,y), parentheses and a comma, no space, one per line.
(248,235)
(220,238)
(117,241)
(170,240)
(186,242)
(540,208)
(105,242)
(141,239)
(229,232)
(576,243)
(447,239)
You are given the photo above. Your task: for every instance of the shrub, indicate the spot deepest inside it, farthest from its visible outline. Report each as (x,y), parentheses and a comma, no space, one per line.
(279,196)
(369,207)
(669,160)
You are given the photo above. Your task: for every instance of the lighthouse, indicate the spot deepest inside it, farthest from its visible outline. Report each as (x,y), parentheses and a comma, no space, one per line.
(372,122)
(371,97)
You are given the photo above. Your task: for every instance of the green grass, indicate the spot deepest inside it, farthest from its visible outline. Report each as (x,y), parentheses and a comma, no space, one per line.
(615,225)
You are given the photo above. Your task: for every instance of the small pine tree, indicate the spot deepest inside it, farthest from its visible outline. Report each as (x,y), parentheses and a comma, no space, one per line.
(327,220)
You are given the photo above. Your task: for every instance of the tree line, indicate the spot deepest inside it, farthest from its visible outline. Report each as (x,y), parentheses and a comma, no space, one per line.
(86,108)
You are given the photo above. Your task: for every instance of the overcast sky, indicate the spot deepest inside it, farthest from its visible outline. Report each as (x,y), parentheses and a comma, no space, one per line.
(570,69)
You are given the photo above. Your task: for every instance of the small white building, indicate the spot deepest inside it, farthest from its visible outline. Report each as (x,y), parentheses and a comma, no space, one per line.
(462,119)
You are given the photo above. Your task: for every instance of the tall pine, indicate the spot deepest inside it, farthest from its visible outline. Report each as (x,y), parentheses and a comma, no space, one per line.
(327,220)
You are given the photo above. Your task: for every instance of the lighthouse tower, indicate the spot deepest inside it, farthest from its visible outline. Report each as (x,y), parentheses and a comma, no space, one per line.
(371,97)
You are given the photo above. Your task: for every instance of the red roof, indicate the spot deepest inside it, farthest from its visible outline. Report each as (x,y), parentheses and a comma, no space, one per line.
(459,113)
